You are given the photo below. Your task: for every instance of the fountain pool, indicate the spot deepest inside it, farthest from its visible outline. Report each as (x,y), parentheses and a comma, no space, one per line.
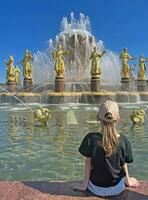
(30,151)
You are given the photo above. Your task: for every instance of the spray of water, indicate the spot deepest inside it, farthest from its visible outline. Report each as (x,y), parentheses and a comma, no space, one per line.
(28,107)
(76,37)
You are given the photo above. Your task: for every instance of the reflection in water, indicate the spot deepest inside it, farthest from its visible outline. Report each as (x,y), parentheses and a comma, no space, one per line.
(61,133)
(13,129)
(28,138)
(20,129)
(137,129)
(71,118)
(60,141)
(59,119)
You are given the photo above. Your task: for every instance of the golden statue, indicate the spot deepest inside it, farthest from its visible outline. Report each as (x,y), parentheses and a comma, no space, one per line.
(10,69)
(17,75)
(125,57)
(138,115)
(42,115)
(142,68)
(95,63)
(59,62)
(27,66)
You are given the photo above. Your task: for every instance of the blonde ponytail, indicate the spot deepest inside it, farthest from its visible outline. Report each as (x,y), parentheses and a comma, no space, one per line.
(110,139)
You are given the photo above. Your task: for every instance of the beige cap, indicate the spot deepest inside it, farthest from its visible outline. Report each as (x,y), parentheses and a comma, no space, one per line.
(108,111)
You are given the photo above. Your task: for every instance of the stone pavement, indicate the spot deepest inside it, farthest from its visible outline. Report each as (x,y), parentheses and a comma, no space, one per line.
(44,190)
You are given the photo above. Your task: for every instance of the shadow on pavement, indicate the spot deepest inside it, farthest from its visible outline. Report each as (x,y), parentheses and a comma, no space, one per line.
(64,189)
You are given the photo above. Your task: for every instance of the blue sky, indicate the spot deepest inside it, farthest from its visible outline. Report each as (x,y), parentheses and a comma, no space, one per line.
(28,24)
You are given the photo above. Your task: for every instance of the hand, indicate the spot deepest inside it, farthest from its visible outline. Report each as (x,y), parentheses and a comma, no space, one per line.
(79,186)
(132,182)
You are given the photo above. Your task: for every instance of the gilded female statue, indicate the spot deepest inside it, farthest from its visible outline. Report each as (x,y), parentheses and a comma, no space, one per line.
(59,62)
(17,75)
(142,68)
(10,69)
(125,57)
(95,62)
(27,66)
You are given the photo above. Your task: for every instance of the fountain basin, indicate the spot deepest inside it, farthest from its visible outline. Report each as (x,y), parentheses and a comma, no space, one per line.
(74,97)
(32,151)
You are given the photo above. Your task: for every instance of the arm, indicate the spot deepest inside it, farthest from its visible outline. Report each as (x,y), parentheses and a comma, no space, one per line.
(87,171)
(130,181)
(54,55)
(103,53)
(83,186)
(131,58)
(127,174)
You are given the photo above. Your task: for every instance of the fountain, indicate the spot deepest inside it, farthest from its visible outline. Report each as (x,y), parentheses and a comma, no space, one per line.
(77,39)
(79,82)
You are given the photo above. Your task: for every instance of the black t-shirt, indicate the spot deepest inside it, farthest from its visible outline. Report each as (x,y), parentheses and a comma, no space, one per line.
(106,171)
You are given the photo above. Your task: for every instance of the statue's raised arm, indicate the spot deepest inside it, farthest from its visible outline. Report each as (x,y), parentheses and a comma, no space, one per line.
(103,53)
(54,55)
(131,57)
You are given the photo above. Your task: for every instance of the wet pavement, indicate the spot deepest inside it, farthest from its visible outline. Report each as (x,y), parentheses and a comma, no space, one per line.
(44,190)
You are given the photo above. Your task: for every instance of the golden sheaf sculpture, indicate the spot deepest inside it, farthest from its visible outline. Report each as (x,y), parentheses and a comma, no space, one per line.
(42,115)
(138,115)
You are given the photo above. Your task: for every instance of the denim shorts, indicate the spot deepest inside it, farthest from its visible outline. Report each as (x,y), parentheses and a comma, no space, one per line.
(107,191)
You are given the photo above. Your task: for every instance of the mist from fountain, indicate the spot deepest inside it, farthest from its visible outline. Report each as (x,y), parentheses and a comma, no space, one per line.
(77,39)
(42,67)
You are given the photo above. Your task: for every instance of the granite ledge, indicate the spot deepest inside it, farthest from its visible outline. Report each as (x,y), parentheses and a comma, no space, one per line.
(45,190)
